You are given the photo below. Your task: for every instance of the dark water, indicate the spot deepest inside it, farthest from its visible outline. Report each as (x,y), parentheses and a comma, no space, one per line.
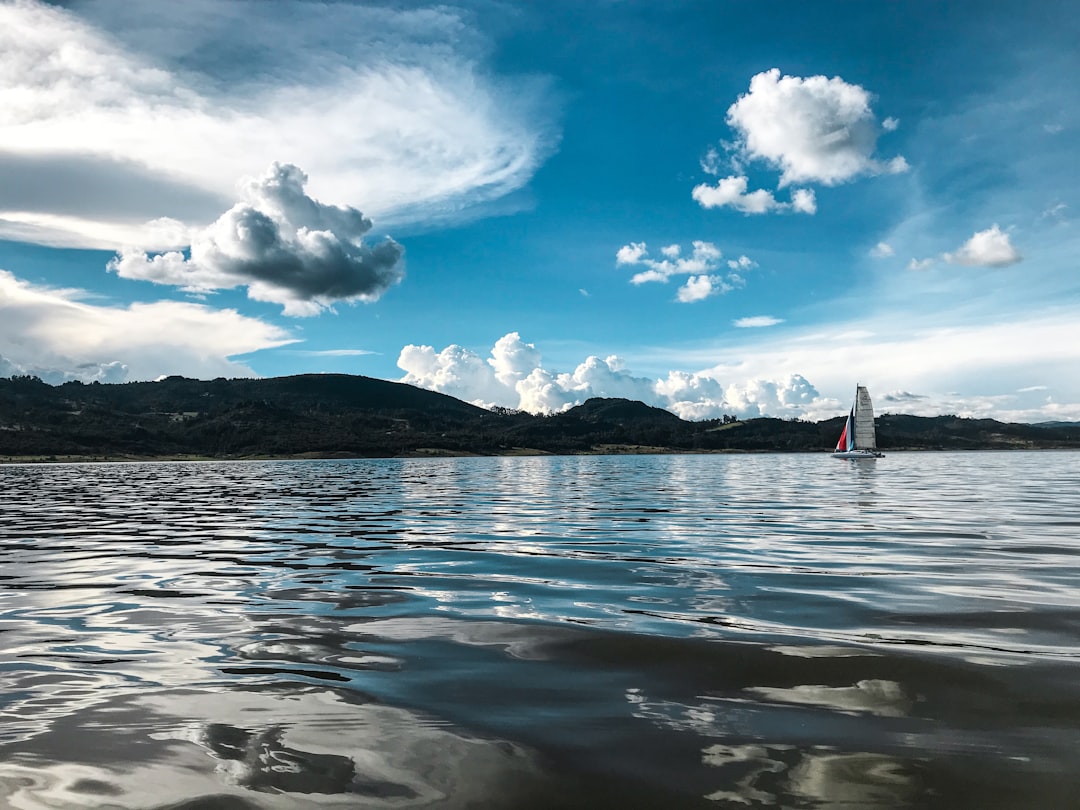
(665,631)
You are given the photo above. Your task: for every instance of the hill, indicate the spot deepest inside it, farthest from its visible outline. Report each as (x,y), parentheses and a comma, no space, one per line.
(346,415)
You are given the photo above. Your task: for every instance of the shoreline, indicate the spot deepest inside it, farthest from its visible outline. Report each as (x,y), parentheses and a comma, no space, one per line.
(436,453)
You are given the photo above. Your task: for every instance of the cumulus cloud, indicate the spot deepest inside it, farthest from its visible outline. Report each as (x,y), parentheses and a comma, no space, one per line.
(702,266)
(698,288)
(512,359)
(989,248)
(390,107)
(58,336)
(882,250)
(968,369)
(974,370)
(284,246)
(631,254)
(815,129)
(812,130)
(804,201)
(732,192)
(790,395)
(523,383)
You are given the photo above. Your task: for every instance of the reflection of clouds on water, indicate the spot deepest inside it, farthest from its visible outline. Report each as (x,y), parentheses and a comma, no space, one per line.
(461,586)
(706,719)
(276,749)
(873,696)
(745,766)
(760,774)
(853,780)
(519,641)
(768,775)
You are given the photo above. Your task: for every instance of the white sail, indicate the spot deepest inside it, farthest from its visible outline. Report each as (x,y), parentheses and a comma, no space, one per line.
(858,439)
(865,439)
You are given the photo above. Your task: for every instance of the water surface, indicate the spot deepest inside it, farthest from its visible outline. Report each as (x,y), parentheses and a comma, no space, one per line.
(646,631)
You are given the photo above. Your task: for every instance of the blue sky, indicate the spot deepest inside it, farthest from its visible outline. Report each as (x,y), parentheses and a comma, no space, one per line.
(714,207)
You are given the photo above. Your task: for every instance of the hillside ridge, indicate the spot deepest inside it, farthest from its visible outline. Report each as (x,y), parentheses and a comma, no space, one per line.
(351,415)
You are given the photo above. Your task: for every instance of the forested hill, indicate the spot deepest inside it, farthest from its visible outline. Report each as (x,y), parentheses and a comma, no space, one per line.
(344,415)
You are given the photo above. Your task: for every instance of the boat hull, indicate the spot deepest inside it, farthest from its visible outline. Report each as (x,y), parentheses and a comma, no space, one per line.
(858,454)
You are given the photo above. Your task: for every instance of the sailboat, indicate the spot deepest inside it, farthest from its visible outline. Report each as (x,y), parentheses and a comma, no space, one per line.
(858,439)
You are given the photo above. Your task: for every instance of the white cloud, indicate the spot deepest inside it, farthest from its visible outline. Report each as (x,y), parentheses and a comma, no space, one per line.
(972,370)
(55,335)
(804,201)
(732,192)
(465,374)
(788,396)
(698,288)
(1055,212)
(757,321)
(897,165)
(920,264)
(330,352)
(512,359)
(700,267)
(283,246)
(979,371)
(882,250)
(989,248)
(710,163)
(813,130)
(456,371)
(692,396)
(398,114)
(631,254)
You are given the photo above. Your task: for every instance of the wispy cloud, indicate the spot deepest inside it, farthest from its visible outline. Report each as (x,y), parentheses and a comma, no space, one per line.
(757,322)
(330,352)
(57,335)
(399,116)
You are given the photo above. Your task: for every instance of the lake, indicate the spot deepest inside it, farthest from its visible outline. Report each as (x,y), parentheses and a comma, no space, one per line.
(715,631)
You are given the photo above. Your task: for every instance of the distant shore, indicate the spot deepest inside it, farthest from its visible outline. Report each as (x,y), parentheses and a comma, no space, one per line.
(436,453)
(346,416)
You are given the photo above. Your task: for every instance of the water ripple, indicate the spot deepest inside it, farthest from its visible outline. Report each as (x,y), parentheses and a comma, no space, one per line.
(715,631)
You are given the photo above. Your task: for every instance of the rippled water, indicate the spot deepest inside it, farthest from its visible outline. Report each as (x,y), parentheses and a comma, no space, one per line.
(648,631)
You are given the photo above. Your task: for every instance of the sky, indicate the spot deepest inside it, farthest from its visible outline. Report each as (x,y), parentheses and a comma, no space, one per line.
(715,207)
